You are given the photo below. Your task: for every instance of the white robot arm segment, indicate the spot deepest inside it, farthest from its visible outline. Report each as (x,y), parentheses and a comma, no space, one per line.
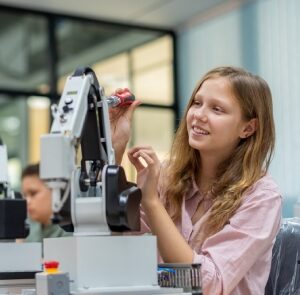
(82,118)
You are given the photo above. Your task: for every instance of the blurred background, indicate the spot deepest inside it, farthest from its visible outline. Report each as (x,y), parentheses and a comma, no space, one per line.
(157,48)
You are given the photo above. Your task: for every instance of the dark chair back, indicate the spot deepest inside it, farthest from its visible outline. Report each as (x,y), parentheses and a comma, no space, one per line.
(284,277)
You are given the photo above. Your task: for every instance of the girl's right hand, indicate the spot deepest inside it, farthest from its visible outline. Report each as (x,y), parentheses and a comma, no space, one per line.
(120,123)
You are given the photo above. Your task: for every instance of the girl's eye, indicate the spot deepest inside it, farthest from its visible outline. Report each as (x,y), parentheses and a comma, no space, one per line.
(218,109)
(197,102)
(32,193)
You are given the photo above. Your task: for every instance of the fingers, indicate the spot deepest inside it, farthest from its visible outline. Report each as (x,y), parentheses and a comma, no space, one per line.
(120,90)
(147,148)
(143,152)
(136,162)
(130,110)
(126,111)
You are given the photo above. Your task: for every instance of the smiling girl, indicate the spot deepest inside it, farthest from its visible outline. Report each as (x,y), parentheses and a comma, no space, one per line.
(213,201)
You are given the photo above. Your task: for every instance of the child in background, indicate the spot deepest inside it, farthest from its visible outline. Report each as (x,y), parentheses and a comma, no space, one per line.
(39,207)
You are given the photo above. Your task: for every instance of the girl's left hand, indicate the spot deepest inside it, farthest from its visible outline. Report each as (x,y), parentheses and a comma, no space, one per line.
(147,166)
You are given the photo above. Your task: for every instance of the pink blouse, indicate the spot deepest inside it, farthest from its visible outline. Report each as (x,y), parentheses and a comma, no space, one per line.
(237,259)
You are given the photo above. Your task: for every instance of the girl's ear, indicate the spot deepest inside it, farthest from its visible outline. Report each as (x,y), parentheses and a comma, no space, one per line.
(249,128)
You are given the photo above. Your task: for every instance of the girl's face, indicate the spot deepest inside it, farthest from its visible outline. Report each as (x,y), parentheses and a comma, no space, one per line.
(38,198)
(214,120)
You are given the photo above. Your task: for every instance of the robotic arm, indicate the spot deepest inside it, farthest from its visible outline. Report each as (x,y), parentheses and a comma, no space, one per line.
(5,190)
(102,200)
(12,210)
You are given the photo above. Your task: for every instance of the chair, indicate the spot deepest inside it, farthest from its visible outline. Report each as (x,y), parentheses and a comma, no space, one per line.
(284,277)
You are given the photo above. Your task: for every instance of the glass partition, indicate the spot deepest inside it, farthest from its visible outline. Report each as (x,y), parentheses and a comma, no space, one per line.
(24,51)
(39,50)
(86,43)
(153,71)
(22,121)
(13,132)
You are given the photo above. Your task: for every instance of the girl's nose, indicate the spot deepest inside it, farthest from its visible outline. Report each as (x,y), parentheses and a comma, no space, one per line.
(201,114)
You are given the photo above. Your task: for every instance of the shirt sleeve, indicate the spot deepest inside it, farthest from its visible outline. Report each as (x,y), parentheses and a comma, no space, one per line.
(228,255)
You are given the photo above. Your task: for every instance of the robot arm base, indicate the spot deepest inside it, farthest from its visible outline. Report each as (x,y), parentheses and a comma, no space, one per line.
(13,219)
(122,201)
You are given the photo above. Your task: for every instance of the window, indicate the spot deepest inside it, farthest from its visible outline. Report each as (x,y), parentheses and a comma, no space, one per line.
(24,62)
(39,50)
(153,71)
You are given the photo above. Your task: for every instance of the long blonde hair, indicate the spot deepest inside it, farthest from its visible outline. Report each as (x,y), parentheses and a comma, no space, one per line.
(242,169)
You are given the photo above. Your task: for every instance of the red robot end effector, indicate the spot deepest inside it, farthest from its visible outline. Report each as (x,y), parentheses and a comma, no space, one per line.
(121,99)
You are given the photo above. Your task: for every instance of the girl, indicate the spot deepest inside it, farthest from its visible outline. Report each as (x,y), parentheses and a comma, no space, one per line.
(215,203)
